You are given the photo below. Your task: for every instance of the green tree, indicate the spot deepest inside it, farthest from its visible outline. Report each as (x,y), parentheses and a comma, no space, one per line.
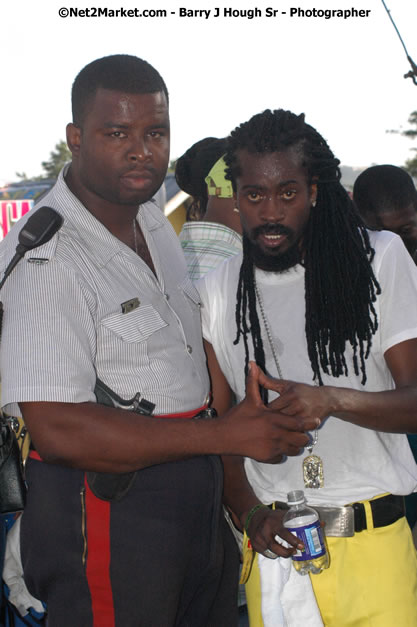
(58,157)
(51,168)
(22,176)
(411,164)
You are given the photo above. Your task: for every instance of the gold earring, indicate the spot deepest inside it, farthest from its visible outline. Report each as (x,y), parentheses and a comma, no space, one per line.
(313,204)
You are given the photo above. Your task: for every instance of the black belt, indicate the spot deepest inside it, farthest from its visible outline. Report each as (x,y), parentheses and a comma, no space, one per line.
(385,511)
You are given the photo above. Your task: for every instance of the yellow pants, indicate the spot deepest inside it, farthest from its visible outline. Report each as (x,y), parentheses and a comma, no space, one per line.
(371,581)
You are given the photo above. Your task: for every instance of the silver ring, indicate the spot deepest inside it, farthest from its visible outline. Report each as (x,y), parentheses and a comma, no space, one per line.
(270,554)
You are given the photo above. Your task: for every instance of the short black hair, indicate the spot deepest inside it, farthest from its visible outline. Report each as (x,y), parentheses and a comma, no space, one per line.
(119,72)
(383,188)
(192,168)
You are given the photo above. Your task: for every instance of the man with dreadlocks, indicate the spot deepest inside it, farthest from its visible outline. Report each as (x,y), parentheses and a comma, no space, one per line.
(330,309)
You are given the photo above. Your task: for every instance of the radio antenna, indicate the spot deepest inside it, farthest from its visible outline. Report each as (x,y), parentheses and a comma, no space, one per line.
(413,72)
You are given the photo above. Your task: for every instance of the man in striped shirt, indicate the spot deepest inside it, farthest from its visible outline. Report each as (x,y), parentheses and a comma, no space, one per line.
(108,297)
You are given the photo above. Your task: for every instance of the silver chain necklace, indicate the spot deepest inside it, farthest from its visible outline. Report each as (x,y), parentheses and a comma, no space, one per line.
(135,236)
(312,464)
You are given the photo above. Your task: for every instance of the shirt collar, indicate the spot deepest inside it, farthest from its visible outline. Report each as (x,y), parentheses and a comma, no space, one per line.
(80,223)
(199,230)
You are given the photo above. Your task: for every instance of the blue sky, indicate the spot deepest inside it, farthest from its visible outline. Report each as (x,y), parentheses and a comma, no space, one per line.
(345,74)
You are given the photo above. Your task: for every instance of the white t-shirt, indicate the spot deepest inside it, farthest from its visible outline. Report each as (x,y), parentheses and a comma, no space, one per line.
(358,463)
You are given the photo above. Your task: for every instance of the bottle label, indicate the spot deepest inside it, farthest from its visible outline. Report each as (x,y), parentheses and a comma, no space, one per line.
(312,538)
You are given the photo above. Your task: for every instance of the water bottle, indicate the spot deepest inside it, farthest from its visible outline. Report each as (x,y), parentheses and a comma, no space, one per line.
(303,522)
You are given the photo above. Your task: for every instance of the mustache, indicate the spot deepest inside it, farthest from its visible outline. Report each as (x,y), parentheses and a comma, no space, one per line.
(139,169)
(271,228)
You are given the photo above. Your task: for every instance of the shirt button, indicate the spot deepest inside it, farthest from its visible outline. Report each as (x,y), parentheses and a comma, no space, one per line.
(189,349)
(166,296)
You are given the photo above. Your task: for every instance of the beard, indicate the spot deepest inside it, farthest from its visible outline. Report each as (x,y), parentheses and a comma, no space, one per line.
(274,261)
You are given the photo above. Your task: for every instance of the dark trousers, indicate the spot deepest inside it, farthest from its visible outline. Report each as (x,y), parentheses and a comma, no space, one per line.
(160,557)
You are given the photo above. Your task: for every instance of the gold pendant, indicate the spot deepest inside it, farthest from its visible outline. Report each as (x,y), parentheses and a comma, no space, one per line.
(313,472)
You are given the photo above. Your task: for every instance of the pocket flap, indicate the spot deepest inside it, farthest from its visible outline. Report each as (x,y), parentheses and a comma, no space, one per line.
(135,326)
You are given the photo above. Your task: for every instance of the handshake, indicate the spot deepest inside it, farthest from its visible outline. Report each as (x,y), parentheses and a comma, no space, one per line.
(268,432)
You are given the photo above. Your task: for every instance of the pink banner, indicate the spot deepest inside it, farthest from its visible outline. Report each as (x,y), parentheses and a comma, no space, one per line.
(10,212)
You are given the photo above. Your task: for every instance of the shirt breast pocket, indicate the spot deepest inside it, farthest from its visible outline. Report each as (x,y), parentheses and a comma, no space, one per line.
(137,325)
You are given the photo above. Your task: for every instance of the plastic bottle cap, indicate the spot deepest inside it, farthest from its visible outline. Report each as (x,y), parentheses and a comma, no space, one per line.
(295,497)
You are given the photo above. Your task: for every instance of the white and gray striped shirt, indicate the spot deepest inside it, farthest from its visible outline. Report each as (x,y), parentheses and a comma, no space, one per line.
(63,322)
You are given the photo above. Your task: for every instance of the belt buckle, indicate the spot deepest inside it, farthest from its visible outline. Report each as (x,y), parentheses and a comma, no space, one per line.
(339,521)
(206,414)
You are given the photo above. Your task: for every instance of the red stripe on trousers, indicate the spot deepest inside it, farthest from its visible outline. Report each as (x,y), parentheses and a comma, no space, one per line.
(98,559)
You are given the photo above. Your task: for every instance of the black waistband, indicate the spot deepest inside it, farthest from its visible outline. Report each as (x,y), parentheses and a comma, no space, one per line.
(385,511)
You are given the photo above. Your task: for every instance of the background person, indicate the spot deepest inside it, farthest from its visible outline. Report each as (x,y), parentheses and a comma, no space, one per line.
(386,198)
(212,232)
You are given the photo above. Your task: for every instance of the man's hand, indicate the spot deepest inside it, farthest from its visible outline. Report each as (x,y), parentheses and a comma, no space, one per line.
(264,526)
(261,432)
(302,400)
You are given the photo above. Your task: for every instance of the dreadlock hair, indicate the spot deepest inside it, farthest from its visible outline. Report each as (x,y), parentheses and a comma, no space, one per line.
(191,170)
(118,72)
(340,286)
